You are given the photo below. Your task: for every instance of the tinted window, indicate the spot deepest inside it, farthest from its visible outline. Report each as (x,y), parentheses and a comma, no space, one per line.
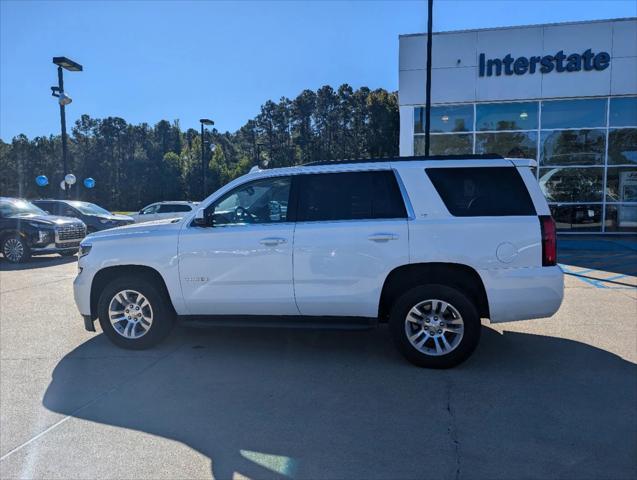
(622,146)
(261,201)
(506,116)
(47,206)
(171,208)
(445,144)
(349,196)
(149,210)
(454,118)
(623,112)
(574,113)
(573,147)
(482,192)
(508,144)
(572,184)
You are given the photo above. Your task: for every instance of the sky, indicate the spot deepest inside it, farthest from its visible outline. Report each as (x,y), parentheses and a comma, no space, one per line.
(149,60)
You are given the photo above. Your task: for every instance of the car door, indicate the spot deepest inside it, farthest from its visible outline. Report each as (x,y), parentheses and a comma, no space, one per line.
(241,261)
(351,232)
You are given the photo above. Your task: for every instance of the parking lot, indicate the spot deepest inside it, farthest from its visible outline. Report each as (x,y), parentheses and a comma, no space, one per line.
(550,398)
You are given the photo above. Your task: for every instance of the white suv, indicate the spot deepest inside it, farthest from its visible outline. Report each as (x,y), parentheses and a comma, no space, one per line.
(430,245)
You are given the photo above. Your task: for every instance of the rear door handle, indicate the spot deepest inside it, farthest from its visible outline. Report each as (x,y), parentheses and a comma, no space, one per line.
(382,237)
(272,241)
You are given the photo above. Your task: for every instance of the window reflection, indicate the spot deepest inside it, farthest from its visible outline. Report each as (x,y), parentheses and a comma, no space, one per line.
(445,144)
(512,145)
(572,184)
(621,218)
(623,112)
(622,146)
(453,118)
(577,218)
(574,113)
(621,184)
(507,116)
(573,147)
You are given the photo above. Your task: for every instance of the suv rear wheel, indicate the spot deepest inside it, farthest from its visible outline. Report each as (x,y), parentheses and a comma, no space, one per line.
(435,326)
(133,313)
(15,249)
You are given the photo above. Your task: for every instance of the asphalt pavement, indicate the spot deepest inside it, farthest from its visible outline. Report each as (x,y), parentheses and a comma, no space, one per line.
(549,398)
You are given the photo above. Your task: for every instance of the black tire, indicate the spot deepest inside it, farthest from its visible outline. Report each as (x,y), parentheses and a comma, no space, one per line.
(163,315)
(8,245)
(464,306)
(68,254)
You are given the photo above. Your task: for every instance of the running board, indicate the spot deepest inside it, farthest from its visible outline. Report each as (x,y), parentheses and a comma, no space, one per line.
(278,321)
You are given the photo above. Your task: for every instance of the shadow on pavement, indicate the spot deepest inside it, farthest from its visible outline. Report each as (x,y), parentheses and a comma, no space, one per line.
(35,262)
(333,404)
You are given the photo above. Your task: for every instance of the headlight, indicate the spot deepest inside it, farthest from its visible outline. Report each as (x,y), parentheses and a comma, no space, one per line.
(104,221)
(43,236)
(37,224)
(85,249)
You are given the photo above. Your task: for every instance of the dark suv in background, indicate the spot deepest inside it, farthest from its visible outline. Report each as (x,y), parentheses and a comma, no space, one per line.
(27,230)
(94,217)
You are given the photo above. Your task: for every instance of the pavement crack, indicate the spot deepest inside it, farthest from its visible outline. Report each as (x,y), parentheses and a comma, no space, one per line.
(452,430)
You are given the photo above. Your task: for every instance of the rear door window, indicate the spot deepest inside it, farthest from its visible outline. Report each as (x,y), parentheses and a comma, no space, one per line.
(482,192)
(349,196)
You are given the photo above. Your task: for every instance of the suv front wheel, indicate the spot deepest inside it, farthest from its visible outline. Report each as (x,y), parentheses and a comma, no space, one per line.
(15,249)
(435,326)
(133,313)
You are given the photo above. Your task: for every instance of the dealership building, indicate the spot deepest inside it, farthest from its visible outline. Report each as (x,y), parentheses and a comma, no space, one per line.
(563,94)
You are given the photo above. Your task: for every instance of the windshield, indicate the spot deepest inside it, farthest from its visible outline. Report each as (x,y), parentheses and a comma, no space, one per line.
(9,208)
(89,208)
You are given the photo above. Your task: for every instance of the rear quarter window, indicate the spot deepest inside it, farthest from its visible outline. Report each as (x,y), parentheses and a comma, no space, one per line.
(482,191)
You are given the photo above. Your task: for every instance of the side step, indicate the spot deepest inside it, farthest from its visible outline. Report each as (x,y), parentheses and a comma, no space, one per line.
(278,321)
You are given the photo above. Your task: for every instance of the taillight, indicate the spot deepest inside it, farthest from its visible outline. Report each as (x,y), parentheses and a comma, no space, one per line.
(549,241)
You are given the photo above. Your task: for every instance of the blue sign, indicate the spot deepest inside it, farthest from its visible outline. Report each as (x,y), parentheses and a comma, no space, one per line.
(89,182)
(559,62)
(41,180)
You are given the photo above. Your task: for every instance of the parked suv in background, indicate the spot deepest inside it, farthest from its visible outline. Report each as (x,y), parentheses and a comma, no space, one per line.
(27,230)
(94,217)
(430,245)
(163,210)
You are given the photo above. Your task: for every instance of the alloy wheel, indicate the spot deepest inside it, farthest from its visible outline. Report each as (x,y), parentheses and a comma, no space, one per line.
(434,327)
(130,314)
(13,250)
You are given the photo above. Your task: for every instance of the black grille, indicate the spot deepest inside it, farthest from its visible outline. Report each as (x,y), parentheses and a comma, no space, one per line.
(72,231)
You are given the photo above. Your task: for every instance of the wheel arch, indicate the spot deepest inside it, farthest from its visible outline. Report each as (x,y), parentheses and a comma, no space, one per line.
(105,275)
(456,275)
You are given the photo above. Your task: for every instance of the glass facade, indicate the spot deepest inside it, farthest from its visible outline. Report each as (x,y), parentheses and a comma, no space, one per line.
(586,151)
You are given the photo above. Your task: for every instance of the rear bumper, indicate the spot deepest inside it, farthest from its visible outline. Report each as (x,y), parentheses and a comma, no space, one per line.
(523,293)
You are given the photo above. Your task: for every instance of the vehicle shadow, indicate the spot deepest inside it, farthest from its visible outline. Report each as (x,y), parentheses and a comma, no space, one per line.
(35,262)
(331,404)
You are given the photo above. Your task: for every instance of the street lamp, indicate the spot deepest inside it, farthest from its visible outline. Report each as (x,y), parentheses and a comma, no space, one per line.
(203,121)
(64,100)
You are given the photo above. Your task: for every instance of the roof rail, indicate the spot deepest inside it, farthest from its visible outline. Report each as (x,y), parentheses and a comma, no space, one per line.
(417,158)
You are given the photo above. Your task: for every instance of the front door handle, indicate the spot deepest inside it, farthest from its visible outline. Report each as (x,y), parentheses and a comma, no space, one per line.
(382,237)
(272,241)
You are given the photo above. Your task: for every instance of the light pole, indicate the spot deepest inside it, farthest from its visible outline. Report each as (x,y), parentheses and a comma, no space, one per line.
(430,9)
(203,121)
(64,100)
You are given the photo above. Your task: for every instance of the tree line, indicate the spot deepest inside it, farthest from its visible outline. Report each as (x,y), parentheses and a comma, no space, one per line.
(134,165)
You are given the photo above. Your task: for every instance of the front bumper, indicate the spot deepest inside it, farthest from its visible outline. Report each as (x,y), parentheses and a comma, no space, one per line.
(53,248)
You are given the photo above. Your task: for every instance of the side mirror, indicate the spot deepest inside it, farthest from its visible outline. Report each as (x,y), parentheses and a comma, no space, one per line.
(200,218)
